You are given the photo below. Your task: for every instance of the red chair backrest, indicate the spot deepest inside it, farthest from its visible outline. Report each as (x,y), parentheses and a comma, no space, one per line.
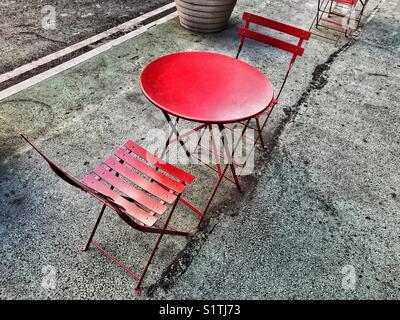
(295,49)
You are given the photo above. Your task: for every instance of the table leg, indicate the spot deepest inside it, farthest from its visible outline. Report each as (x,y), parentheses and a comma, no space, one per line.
(168,142)
(258,136)
(200,137)
(230,155)
(176,132)
(214,151)
(220,177)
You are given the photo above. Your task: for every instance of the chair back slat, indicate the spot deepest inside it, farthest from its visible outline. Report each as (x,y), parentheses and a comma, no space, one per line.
(280,44)
(278,26)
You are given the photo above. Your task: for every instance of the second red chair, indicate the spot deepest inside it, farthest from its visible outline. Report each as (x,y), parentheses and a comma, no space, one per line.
(295,50)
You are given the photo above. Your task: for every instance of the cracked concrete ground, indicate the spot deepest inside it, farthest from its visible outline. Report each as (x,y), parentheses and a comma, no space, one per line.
(23,38)
(322,204)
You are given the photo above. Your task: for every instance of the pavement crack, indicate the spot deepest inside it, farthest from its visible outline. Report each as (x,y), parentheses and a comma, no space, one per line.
(44,104)
(378,74)
(320,78)
(42,37)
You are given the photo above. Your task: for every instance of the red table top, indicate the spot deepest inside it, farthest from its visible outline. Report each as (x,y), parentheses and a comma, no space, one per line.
(206,87)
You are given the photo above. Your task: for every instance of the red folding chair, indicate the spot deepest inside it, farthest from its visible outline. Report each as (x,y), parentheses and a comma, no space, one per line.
(340,15)
(295,49)
(139,187)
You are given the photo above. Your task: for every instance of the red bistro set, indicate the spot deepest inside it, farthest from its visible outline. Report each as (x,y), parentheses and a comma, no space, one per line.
(207,89)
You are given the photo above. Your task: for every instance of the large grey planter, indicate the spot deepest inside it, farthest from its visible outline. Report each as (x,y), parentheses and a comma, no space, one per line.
(205,15)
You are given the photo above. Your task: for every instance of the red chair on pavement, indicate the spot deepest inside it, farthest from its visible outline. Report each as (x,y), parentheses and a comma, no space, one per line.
(149,188)
(295,50)
(343,15)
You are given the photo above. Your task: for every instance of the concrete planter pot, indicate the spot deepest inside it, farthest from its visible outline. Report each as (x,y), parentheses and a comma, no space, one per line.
(205,15)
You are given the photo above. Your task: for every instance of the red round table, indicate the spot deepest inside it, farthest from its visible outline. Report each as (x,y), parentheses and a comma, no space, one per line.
(206,87)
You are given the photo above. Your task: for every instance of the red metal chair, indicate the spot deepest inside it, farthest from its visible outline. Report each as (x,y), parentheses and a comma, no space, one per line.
(340,15)
(295,49)
(149,187)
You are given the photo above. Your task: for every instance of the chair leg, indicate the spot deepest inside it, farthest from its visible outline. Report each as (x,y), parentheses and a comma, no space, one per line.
(84,248)
(137,289)
(330,8)
(361,13)
(176,132)
(260,133)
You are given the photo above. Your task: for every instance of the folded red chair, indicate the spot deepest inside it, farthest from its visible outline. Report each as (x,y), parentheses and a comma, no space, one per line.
(349,13)
(149,188)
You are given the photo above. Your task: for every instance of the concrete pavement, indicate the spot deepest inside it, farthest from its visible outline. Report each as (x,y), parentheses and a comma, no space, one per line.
(318,219)
(24,39)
